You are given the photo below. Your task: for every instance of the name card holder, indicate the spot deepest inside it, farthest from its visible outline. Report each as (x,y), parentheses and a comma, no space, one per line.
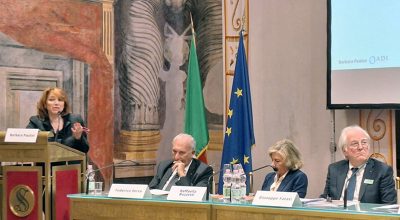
(187,193)
(280,199)
(134,191)
(21,135)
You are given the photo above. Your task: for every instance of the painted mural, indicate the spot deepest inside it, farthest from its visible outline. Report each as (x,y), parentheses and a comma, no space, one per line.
(57,43)
(152,48)
(134,99)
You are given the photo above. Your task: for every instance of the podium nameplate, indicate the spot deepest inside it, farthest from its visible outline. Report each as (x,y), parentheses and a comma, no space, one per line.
(187,193)
(134,191)
(21,135)
(281,199)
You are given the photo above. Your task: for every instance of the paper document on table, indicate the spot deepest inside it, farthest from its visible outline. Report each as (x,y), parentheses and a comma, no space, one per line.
(333,203)
(321,203)
(158,192)
(394,206)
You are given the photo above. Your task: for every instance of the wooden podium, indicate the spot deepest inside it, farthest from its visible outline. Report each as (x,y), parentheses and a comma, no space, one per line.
(28,191)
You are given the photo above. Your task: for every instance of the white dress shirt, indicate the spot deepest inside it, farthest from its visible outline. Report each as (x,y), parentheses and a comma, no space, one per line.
(359,176)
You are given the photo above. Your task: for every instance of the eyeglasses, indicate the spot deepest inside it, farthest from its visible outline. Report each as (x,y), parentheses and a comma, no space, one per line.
(356,144)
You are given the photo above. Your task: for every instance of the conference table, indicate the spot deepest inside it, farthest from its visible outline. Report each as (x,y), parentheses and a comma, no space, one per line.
(84,206)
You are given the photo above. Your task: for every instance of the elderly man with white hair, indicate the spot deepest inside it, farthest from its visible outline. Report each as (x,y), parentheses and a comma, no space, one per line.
(367,180)
(183,169)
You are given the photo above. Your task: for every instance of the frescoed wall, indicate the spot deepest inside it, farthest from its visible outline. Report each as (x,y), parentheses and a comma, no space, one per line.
(133,99)
(71,43)
(57,43)
(152,48)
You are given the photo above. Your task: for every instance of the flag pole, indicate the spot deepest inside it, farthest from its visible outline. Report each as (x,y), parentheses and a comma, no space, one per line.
(195,116)
(193,33)
(242,28)
(242,24)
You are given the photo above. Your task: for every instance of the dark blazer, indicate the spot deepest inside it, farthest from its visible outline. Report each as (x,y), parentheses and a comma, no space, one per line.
(294,181)
(64,136)
(382,190)
(198,174)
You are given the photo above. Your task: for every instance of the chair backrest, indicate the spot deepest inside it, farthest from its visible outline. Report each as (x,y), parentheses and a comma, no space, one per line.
(379,157)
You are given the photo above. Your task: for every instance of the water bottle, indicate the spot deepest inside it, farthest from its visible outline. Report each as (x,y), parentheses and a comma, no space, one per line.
(236,190)
(91,181)
(226,189)
(243,186)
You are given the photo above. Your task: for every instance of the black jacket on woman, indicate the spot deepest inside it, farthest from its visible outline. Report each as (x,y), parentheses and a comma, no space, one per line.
(64,136)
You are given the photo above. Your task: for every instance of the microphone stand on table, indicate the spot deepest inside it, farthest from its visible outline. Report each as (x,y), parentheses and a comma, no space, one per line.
(251,175)
(212,185)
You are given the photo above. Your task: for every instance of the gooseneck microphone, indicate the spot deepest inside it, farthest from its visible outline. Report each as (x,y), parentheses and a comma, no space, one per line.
(346,184)
(211,186)
(268,165)
(251,174)
(133,163)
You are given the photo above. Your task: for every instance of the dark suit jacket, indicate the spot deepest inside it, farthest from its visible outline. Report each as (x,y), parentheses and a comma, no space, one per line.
(65,134)
(198,174)
(382,190)
(294,181)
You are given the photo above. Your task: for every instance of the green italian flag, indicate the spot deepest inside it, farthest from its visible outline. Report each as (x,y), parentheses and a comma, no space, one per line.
(195,117)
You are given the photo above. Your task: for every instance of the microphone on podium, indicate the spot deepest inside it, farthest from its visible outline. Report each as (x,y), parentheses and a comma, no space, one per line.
(251,175)
(88,172)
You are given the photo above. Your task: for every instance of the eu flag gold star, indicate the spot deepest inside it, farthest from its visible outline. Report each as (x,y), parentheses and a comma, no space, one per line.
(228,131)
(246,159)
(234,161)
(230,113)
(238,92)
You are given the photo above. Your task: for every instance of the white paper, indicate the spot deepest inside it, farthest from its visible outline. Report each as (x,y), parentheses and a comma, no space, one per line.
(333,203)
(322,203)
(158,192)
(394,206)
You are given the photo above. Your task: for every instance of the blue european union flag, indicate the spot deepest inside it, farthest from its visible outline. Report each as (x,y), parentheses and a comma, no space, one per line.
(239,134)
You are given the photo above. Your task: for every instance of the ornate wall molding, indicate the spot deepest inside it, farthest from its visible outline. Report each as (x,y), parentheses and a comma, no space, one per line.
(108,30)
(379,125)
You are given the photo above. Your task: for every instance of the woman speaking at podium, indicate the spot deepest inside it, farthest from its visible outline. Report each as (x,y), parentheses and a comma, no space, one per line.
(54,115)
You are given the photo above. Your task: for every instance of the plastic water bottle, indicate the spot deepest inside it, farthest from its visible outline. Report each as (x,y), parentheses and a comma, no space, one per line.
(243,187)
(236,190)
(91,183)
(226,190)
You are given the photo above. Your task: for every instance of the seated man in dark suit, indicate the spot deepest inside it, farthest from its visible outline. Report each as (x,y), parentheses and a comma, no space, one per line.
(184,169)
(373,180)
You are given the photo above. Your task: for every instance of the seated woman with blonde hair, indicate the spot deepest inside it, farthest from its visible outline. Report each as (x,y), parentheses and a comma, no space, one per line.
(286,163)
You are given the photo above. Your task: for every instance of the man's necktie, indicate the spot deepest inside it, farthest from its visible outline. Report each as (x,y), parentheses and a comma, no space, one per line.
(352,184)
(172,182)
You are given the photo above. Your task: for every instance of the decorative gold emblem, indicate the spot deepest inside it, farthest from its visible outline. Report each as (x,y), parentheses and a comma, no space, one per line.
(22,200)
